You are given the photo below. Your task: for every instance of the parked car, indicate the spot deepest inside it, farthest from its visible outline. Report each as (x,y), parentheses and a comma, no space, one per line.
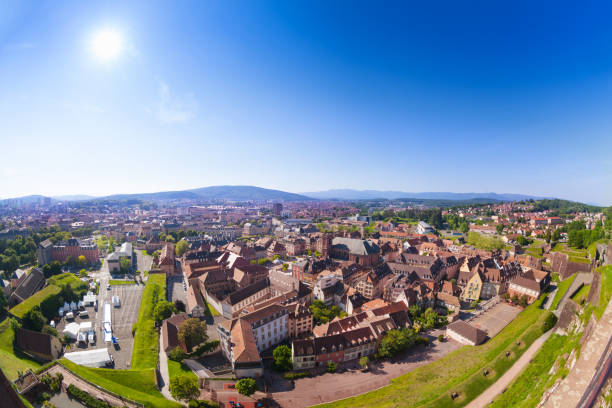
(69,315)
(84,314)
(108,286)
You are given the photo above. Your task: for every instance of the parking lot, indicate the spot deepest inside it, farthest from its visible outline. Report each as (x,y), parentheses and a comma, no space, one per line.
(176,289)
(496,318)
(123,318)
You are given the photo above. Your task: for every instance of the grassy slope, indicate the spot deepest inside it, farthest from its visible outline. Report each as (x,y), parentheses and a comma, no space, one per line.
(9,362)
(606,290)
(582,293)
(563,286)
(146,339)
(21,309)
(63,279)
(138,385)
(527,389)
(460,371)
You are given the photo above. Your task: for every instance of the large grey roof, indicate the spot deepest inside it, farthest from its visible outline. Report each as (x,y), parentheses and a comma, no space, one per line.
(357,246)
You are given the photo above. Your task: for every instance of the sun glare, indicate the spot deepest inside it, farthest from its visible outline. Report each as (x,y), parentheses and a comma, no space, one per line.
(107,44)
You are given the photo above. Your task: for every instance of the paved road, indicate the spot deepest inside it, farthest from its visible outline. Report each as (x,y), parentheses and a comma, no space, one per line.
(504,381)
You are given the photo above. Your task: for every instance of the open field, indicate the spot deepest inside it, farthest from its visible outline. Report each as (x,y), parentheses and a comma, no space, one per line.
(562,287)
(146,345)
(460,371)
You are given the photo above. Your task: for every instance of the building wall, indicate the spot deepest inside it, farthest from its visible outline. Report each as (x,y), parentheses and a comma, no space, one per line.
(456,336)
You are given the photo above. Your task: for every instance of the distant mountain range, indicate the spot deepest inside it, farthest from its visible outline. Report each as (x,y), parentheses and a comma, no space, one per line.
(348,194)
(229,193)
(252,193)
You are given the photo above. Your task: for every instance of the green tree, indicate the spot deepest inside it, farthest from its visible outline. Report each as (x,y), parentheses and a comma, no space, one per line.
(499,228)
(33,319)
(163,310)
(331,367)
(395,341)
(282,358)
(124,265)
(81,261)
(184,388)
(3,302)
(192,332)
(181,247)
(246,386)
(364,362)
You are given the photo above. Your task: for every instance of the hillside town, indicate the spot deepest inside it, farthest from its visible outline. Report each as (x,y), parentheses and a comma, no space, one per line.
(256,303)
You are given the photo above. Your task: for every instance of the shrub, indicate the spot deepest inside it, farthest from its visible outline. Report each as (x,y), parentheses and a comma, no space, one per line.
(364,362)
(202,404)
(295,376)
(282,358)
(422,340)
(205,348)
(441,338)
(177,354)
(85,398)
(549,322)
(331,367)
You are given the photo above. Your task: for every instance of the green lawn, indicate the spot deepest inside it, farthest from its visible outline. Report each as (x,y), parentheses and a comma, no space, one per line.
(11,361)
(175,369)
(114,282)
(582,294)
(527,389)
(35,300)
(65,279)
(138,385)
(536,252)
(460,371)
(146,339)
(606,290)
(562,287)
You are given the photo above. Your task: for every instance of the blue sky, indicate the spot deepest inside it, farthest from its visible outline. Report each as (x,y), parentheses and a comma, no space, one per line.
(305,96)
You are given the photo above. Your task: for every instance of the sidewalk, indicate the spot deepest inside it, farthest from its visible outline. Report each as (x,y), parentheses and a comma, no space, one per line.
(163,371)
(505,380)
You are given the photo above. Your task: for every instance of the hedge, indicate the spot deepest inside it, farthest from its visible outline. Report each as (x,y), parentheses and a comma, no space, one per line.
(86,399)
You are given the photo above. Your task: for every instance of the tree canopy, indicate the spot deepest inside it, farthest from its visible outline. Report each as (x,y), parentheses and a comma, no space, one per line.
(246,386)
(192,332)
(282,358)
(184,388)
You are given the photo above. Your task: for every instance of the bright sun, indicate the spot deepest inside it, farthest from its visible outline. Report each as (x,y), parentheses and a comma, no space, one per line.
(107,44)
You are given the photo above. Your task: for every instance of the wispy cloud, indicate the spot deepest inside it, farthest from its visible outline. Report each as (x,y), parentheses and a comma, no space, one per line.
(19,46)
(172,109)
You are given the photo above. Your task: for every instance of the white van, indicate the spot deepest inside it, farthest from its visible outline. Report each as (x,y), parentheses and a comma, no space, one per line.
(69,315)
(116,301)
(84,314)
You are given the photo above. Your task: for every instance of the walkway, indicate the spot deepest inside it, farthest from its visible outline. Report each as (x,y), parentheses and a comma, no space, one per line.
(163,371)
(504,381)
(94,391)
(578,382)
(198,368)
